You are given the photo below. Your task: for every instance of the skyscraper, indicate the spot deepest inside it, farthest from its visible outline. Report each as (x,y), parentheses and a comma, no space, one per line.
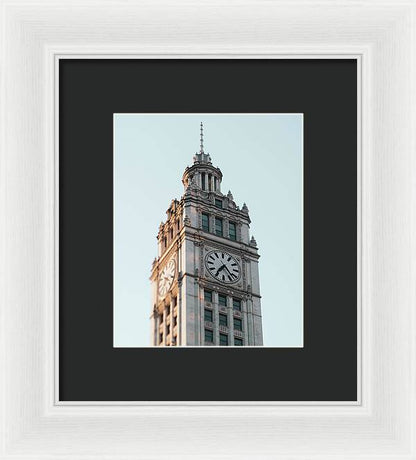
(205,280)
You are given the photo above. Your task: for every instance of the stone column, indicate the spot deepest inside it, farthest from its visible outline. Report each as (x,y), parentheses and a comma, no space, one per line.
(171,320)
(230,317)
(250,322)
(211,223)
(238,231)
(226,229)
(244,319)
(164,326)
(179,320)
(215,319)
(201,320)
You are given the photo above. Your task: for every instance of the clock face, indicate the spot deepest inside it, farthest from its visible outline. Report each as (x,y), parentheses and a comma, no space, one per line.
(166,278)
(223,266)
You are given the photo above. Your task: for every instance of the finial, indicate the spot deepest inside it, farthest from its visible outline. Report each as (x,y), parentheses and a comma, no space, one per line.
(202,138)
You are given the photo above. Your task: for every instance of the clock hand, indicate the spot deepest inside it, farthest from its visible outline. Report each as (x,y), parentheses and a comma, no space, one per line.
(221,268)
(231,274)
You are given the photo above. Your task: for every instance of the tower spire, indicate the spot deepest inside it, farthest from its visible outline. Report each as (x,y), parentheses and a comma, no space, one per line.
(202,138)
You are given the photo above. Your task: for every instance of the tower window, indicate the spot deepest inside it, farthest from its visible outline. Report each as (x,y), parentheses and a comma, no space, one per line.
(177,224)
(223,320)
(238,324)
(209,336)
(161,319)
(223,339)
(238,342)
(232,231)
(171,233)
(175,320)
(205,222)
(218,226)
(222,300)
(209,182)
(237,304)
(215,183)
(208,315)
(161,337)
(203,181)
(218,203)
(208,296)
(165,241)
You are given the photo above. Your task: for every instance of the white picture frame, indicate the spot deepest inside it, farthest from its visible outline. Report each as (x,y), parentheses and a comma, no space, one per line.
(381,35)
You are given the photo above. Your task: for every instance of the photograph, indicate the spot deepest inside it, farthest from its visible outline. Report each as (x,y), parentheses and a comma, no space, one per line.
(208,230)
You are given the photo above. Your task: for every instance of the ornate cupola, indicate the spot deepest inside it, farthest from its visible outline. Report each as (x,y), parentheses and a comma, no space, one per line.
(202,174)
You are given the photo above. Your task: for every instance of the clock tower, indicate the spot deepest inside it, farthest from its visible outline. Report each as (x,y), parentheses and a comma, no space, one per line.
(205,280)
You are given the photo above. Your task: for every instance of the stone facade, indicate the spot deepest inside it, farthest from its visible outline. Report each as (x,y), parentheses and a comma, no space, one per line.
(205,280)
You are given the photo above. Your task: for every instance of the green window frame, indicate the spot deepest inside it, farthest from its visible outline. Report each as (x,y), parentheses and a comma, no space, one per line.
(208,315)
(208,296)
(222,300)
(205,222)
(238,342)
(238,324)
(223,319)
(232,231)
(223,339)
(209,336)
(237,304)
(218,226)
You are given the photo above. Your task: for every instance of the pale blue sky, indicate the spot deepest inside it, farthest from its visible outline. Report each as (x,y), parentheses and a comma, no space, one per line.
(261,158)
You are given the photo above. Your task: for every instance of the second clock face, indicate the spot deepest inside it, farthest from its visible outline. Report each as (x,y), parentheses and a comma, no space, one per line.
(223,266)
(166,278)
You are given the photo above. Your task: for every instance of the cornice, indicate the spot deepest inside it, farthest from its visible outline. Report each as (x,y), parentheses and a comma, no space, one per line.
(217,287)
(237,214)
(201,237)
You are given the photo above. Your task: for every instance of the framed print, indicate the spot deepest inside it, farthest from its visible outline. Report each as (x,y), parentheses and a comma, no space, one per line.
(212,292)
(272,129)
